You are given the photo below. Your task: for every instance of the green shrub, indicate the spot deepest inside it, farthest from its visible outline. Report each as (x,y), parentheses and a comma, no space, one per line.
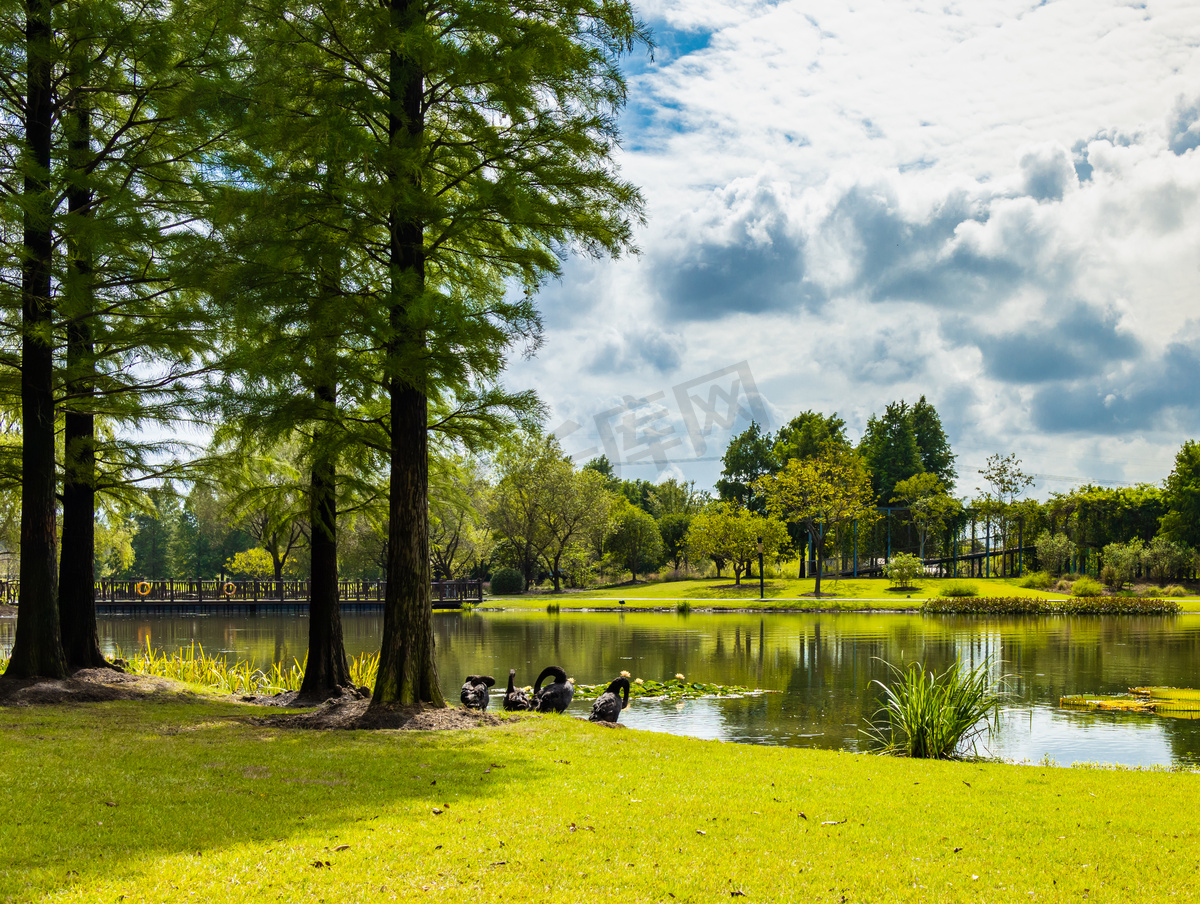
(507,581)
(1174,590)
(1120,562)
(1086,586)
(1054,551)
(934,716)
(960,588)
(903,569)
(1036,580)
(1164,559)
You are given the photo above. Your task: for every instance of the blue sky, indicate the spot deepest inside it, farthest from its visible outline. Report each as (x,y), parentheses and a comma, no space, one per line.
(993,204)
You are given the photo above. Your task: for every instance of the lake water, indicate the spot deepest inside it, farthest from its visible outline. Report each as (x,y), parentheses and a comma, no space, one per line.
(820,667)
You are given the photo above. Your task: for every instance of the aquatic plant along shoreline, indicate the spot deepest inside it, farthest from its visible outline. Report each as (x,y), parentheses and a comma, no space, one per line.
(676,688)
(239,677)
(1083,605)
(930,715)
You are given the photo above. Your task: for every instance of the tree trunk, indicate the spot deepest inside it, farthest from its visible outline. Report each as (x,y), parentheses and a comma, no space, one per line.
(76,575)
(327,668)
(407,669)
(37,646)
(819,548)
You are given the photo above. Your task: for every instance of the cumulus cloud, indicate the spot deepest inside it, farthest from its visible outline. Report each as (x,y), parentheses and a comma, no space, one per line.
(890,199)
(1183,129)
(1046,172)
(1074,342)
(1158,394)
(740,252)
(635,349)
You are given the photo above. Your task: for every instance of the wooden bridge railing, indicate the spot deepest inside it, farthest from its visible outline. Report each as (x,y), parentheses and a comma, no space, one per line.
(216,591)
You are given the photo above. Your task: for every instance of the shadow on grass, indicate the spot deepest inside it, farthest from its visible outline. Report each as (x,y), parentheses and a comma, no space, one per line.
(94,788)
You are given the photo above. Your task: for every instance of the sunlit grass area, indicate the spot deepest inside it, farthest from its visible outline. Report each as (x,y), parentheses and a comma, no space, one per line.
(779,593)
(166,802)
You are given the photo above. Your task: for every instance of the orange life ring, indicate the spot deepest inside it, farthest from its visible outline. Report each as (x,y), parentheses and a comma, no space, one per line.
(229,589)
(141,588)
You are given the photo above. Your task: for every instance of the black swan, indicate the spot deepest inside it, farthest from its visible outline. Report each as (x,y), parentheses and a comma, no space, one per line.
(515,698)
(474,693)
(554,697)
(608,705)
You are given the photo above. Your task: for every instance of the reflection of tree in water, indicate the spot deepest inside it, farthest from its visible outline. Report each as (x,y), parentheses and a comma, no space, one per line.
(822,664)
(1183,735)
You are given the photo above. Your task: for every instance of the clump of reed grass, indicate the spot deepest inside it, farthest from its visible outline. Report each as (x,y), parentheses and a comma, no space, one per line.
(934,716)
(193,666)
(363,669)
(960,588)
(1086,586)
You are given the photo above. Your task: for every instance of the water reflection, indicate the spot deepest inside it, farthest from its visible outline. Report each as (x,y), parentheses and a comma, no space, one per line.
(820,667)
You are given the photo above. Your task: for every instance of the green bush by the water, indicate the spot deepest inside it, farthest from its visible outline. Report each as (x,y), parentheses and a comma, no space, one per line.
(1086,586)
(932,716)
(960,588)
(1036,580)
(506,581)
(903,569)
(1027,605)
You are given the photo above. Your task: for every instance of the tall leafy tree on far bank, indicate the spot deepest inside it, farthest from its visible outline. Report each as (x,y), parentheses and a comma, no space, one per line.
(728,533)
(748,457)
(1181,522)
(937,456)
(808,434)
(890,451)
(930,507)
(822,493)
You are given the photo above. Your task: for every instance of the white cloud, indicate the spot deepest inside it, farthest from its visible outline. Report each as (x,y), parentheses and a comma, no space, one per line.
(992,203)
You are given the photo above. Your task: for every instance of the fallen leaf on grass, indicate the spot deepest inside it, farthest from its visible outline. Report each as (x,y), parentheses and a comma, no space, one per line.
(110,803)
(738,893)
(802,816)
(701,832)
(437,812)
(833,822)
(342,847)
(956,850)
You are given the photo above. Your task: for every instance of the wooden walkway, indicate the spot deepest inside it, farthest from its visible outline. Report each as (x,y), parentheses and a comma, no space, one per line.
(250,596)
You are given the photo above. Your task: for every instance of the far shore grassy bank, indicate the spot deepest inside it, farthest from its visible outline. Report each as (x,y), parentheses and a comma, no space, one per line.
(165,802)
(857,594)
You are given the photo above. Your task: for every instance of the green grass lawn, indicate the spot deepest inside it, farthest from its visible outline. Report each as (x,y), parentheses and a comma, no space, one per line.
(169,802)
(780,593)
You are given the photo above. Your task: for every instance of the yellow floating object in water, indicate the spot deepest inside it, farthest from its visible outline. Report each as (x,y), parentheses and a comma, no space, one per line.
(1177,702)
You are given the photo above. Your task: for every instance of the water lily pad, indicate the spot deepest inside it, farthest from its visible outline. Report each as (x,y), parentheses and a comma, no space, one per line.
(674,689)
(1176,702)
